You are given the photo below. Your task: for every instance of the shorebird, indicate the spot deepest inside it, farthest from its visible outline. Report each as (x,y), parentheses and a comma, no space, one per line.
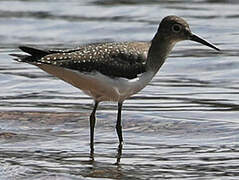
(112,71)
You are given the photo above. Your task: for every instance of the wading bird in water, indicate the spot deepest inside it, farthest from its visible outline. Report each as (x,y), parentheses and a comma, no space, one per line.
(112,71)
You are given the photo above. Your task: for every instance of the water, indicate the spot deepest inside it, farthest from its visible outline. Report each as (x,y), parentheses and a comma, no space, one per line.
(184,125)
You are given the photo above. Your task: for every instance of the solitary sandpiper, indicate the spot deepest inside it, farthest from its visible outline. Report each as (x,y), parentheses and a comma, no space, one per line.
(112,71)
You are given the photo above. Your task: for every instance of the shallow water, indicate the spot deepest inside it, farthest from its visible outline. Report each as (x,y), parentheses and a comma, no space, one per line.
(184,125)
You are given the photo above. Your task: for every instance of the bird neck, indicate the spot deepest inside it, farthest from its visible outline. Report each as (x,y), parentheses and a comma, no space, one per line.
(158,52)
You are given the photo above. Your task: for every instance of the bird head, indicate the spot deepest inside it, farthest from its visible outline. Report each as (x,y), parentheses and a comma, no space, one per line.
(174,29)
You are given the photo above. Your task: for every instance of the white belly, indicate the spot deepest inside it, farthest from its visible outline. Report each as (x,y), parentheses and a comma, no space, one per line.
(99,86)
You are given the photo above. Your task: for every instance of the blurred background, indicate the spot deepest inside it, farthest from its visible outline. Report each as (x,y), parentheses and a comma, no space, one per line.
(183,125)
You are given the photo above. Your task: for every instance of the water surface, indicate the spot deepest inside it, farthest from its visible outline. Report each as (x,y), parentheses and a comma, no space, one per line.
(184,125)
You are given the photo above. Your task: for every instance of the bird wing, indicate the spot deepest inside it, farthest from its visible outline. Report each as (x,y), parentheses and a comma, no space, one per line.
(125,60)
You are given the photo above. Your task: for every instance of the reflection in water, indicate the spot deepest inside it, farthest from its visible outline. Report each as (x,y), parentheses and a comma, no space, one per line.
(183,125)
(179,161)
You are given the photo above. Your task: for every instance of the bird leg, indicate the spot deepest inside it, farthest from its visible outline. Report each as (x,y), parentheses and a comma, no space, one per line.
(118,124)
(92,127)
(119,154)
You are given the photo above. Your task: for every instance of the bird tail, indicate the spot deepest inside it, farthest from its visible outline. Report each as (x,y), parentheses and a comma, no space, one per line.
(33,54)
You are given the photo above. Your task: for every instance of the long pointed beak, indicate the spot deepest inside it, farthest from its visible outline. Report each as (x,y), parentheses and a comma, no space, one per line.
(196,38)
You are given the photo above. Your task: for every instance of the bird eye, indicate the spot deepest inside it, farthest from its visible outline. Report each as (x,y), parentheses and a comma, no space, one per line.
(176,28)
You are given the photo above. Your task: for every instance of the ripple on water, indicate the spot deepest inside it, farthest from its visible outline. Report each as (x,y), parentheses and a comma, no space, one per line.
(183,125)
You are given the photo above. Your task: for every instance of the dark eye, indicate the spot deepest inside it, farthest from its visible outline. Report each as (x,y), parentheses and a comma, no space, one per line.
(176,28)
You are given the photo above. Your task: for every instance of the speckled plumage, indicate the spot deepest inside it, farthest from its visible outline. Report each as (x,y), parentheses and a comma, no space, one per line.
(126,59)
